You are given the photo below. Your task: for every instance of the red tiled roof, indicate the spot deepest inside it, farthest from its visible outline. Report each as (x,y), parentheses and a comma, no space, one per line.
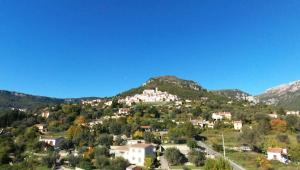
(141,145)
(275,150)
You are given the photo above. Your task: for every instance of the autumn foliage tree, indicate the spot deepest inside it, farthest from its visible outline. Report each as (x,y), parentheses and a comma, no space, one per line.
(263,163)
(80,120)
(279,125)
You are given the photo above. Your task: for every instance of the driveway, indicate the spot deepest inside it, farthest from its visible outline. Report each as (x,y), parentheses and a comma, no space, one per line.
(164,163)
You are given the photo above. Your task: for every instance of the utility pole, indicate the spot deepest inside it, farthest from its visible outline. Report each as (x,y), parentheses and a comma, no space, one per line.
(223,146)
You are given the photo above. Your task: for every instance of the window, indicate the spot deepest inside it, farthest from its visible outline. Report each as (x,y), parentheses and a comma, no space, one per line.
(140,160)
(133,158)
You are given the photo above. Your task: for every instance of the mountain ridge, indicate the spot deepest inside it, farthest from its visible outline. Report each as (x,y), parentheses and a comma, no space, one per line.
(285,95)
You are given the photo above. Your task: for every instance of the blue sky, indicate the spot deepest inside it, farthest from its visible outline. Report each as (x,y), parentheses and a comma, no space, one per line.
(75,48)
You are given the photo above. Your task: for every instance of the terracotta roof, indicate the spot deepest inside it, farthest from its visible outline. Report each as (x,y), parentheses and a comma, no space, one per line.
(275,150)
(40,125)
(141,145)
(121,148)
(145,127)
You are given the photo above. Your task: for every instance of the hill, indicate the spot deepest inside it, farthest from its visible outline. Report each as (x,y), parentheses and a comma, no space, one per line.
(10,99)
(185,89)
(233,93)
(285,95)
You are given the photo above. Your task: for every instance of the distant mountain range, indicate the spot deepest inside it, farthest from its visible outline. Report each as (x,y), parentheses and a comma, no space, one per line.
(233,93)
(18,100)
(286,95)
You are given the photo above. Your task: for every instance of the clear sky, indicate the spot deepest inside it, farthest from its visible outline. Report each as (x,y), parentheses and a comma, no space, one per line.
(75,48)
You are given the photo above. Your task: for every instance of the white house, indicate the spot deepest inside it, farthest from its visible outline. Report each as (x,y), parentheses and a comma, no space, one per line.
(273,116)
(108,103)
(202,123)
(221,116)
(52,141)
(135,154)
(278,154)
(133,167)
(293,113)
(45,114)
(42,128)
(124,111)
(237,125)
(94,102)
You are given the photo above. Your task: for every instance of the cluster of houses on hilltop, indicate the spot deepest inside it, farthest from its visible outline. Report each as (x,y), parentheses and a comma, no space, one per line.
(94,102)
(149,96)
(221,116)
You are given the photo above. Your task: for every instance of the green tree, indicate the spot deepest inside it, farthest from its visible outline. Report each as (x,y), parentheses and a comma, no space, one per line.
(101,151)
(148,162)
(281,111)
(252,137)
(197,111)
(192,144)
(218,164)
(50,159)
(73,160)
(101,162)
(294,153)
(197,157)
(115,128)
(149,137)
(105,140)
(86,164)
(174,156)
(118,164)
(292,122)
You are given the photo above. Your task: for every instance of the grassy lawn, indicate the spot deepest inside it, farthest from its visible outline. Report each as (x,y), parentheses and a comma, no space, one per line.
(215,136)
(57,134)
(280,166)
(245,159)
(188,166)
(42,168)
(248,161)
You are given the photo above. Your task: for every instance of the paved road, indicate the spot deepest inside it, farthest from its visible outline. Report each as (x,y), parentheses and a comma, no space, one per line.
(210,151)
(164,163)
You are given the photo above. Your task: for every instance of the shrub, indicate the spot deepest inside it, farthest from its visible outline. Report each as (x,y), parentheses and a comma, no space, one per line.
(174,156)
(283,138)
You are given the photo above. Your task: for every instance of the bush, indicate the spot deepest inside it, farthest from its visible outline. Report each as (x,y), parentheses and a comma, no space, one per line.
(50,159)
(218,164)
(73,160)
(197,158)
(192,144)
(86,164)
(217,147)
(174,156)
(283,138)
(101,162)
(298,138)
